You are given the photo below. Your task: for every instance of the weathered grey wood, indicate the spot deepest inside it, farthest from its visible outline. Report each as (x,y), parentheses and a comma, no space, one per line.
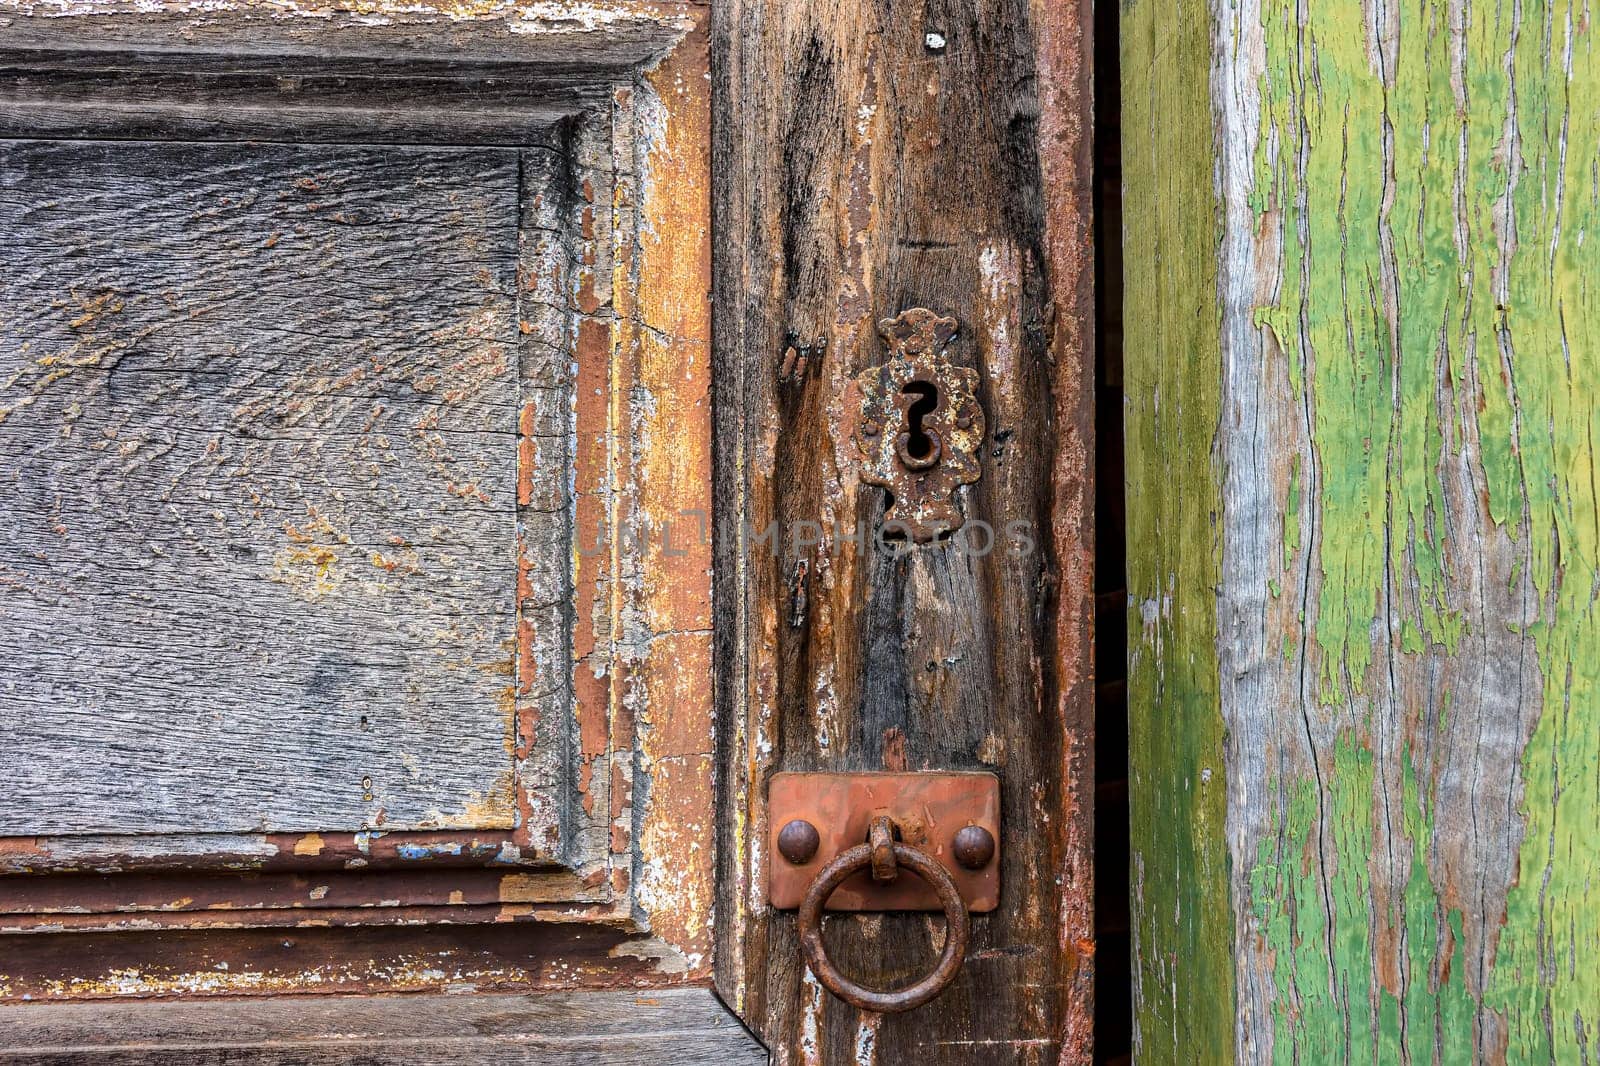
(606,105)
(570,36)
(669,1026)
(91,97)
(258,444)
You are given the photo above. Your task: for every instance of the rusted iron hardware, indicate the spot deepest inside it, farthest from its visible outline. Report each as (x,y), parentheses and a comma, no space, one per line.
(921,426)
(974,847)
(953,817)
(798,357)
(883,856)
(798,841)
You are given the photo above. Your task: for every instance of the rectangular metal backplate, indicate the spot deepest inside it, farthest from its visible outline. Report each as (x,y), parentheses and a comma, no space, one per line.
(928,808)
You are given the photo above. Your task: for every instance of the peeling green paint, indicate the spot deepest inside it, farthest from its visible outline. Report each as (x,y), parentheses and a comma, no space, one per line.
(1325,969)
(1327,109)
(1425,191)
(1549,955)
(1462,286)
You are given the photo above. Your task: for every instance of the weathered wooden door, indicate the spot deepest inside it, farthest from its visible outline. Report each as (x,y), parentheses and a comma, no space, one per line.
(354,375)
(359,379)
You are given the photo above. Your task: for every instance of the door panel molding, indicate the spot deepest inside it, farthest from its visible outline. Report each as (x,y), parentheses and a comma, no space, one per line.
(677,1027)
(606,669)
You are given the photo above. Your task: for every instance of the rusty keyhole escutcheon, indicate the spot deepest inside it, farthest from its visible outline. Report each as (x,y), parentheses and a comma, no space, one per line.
(884,856)
(921,426)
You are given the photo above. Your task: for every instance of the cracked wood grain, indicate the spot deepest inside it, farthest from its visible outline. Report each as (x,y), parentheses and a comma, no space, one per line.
(672,1027)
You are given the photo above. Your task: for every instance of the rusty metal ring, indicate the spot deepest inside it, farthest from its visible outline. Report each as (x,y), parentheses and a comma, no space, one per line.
(831,877)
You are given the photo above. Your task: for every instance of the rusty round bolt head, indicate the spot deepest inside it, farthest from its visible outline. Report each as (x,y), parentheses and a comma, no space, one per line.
(974,847)
(798,841)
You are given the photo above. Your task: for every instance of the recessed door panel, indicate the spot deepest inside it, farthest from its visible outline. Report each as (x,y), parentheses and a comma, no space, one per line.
(258,416)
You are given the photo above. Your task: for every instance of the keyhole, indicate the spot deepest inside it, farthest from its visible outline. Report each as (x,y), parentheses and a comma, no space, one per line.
(918,444)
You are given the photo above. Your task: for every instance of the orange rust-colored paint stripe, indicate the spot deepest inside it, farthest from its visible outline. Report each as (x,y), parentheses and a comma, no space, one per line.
(274,852)
(595,535)
(1065,48)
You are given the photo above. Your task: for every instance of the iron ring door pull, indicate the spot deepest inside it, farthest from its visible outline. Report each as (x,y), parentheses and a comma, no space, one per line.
(872,855)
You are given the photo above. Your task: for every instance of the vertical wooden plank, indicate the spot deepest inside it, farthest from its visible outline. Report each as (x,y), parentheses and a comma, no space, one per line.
(1066,152)
(873,158)
(1400,493)
(667,613)
(1181,917)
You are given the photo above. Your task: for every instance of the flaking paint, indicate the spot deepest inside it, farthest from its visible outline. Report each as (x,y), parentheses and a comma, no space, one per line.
(1431,172)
